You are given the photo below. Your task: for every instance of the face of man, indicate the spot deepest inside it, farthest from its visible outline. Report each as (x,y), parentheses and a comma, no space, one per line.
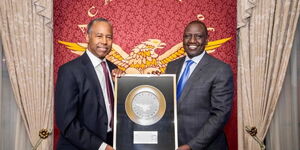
(194,39)
(100,39)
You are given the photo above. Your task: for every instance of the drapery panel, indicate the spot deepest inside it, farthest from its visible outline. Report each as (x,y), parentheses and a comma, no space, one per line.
(26,32)
(284,128)
(265,34)
(13,135)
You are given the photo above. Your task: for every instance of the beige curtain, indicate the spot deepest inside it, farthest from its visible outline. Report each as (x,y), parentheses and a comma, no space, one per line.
(27,43)
(265,34)
(13,135)
(284,133)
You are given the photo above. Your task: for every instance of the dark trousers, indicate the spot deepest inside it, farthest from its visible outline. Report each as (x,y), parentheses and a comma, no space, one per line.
(109,138)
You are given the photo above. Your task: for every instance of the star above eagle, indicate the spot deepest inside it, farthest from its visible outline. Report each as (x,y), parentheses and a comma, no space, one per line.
(143,59)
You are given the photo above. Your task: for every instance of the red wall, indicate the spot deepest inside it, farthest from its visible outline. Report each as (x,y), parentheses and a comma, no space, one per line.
(136,21)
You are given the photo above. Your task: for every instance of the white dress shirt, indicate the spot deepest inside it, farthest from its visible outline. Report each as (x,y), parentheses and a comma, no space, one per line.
(195,59)
(100,74)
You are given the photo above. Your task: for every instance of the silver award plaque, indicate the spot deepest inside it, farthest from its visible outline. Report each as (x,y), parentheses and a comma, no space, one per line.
(145,105)
(145,113)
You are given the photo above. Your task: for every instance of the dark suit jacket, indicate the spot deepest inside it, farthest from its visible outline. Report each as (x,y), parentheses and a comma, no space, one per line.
(79,106)
(205,103)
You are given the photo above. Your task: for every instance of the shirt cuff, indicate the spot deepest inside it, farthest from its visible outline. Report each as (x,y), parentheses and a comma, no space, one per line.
(102,146)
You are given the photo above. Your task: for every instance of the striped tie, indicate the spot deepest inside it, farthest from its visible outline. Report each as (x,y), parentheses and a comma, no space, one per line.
(183,78)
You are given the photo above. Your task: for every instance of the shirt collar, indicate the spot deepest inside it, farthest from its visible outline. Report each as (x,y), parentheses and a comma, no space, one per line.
(196,59)
(94,59)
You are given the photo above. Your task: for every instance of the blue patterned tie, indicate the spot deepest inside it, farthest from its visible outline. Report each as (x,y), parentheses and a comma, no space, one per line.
(183,78)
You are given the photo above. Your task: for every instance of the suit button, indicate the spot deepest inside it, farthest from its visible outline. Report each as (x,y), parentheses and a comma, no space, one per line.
(105,123)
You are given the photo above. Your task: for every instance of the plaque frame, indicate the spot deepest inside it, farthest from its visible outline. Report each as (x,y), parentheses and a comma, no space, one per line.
(165,125)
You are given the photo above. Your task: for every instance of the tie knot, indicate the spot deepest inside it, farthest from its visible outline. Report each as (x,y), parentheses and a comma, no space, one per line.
(189,63)
(102,63)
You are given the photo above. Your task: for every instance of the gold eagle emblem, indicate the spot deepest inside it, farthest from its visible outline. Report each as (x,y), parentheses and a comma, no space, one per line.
(143,59)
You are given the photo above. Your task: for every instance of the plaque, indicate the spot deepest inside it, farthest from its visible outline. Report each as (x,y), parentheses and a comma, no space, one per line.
(145,115)
(145,105)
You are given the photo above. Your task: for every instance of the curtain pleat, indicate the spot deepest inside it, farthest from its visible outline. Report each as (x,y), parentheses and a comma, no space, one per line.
(265,31)
(284,128)
(26,32)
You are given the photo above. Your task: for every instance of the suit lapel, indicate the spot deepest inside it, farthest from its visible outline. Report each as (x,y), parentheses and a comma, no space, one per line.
(111,66)
(180,64)
(194,76)
(95,83)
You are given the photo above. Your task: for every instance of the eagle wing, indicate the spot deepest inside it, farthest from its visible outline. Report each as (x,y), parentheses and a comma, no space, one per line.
(77,48)
(212,45)
(177,51)
(123,60)
(116,56)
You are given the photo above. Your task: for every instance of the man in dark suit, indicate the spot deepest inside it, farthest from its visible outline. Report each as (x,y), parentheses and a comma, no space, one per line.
(84,94)
(204,93)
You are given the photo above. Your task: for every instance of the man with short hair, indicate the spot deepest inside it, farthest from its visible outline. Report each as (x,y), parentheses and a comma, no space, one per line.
(84,94)
(204,93)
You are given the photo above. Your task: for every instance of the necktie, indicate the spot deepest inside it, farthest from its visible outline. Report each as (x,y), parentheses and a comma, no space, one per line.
(183,78)
(109,91)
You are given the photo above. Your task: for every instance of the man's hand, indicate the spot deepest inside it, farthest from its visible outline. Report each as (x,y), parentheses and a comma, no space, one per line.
(184,147)
(116,73)
(108,147)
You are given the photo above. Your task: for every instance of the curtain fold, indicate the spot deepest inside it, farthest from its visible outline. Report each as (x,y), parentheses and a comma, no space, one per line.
(13,135)
(265,34)
(26,32)
(284,128)
(244,11)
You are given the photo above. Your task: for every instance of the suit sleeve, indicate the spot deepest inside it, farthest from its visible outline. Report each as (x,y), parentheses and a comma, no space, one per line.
(66,109)
(221,103)
(169,68)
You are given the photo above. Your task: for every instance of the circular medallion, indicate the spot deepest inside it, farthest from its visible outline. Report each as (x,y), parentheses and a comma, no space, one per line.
(145,105)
